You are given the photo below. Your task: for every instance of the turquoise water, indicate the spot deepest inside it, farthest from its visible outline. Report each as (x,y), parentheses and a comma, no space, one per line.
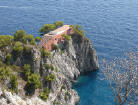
(112,25)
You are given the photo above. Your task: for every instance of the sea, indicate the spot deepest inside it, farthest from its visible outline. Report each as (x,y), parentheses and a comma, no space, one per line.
(111,25)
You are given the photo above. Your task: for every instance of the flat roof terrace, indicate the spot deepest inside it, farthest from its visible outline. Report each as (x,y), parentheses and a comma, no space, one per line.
(59,30)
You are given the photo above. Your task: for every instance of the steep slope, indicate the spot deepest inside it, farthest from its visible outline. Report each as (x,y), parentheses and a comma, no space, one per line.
(76,57)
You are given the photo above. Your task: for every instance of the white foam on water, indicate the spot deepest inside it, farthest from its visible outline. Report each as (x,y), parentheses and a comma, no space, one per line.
(11,7)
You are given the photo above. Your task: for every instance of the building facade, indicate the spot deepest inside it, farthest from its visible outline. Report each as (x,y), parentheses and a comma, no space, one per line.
(55,37)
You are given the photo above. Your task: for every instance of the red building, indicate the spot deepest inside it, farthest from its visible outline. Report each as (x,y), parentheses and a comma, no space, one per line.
(55,37)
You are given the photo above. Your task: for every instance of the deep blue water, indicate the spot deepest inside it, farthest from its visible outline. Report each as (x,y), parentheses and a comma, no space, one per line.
(112,25)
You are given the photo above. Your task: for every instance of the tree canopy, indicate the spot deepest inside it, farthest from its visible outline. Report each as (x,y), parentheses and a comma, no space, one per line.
(78,30)
(50,27)
(18,48)
(19,35)
(5,40)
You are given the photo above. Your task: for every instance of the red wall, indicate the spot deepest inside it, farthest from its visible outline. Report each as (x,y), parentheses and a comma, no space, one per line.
(57,39)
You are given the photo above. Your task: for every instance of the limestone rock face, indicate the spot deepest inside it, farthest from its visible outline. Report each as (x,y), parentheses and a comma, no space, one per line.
(78,57)
(7,98)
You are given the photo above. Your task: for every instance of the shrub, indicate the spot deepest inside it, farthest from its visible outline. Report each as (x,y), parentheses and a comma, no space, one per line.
(27,50)
(18,48)
(54,47)
(50,27)
(58,24)
(27,71)
(67,37)
(37,39)
(51,67)
(47,28)
(44,95)
(56,69)
(29,39)
(13,83)
(4,73)
(45,53)
(5,40)
(51,77)
(33,81)
(78,30)
(47,66)
(19,35)
(67,93)
(8,59)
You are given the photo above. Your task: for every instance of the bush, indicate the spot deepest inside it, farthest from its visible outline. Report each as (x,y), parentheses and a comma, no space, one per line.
(18,48)
(29,39)
(56,69)
(67,37)
(45,53)
(4,73)
(27,71)
(51,77)
(44,95)
(54,47)
(13,83)
(37,39)
(47,28)
(27,50)
(19,35)
(33,81)
(78,30)
(49,66)
(8,59)
(5,40)
(50,27)
(58,24)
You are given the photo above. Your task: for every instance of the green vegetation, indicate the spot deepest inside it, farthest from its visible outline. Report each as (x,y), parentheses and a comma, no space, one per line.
(66,37)
(51,77)
(50,27)
(54,47)
(37,39)
(78,30)
(8,59)
(29,39)
(67,93)
(44,53)
(44,95)
(27,70)
(13,83)
(33,81)
(18,48)
(56,102)
(4,73)
(5,40)
(27,50)
(56,69)
(58,24)
(21,36)
(49,66)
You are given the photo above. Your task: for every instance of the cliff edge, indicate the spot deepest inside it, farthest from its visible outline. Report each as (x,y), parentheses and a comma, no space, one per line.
(57,70)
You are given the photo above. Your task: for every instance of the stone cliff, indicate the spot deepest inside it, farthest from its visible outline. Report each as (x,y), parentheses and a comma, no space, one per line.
(74,57)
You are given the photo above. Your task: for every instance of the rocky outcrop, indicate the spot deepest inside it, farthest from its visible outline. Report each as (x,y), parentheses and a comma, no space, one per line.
(7,98)
(78,57)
